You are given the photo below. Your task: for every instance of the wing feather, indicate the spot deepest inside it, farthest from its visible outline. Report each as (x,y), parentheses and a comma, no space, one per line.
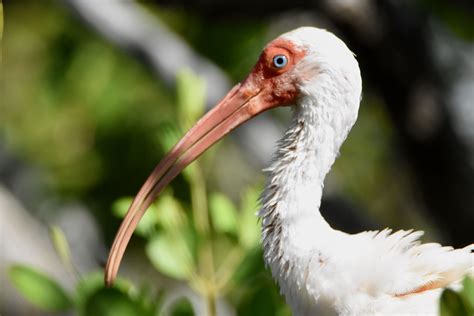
(403,265)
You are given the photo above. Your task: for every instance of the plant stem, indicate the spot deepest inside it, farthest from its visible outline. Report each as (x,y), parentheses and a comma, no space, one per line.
(211,302)
(227,268)
(199,199)
(201,217)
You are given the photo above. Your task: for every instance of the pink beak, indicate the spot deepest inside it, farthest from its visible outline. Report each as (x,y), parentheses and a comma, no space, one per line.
(244,101)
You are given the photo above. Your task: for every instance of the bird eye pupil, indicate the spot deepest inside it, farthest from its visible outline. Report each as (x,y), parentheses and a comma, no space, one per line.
(280,61)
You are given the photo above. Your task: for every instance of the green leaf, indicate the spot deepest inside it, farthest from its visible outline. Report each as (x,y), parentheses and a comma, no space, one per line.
(113,302)
(251,265)
(223,214)
(249,230)
(261,302)
(147,223)
(182,307)
(468,290)
(39,289)
(189,173)
(170,254)
(120,206)
(191,91)
(168,135)
(61,246)
(170,215)
(92,282)
(191,238)
(452,304)
(88,285)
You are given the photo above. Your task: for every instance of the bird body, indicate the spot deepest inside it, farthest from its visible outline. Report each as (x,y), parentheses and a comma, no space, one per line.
(320,270)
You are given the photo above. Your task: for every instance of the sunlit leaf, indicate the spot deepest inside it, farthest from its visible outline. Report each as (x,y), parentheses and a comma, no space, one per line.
(39,289)
(170,254)
(189,173)
(223,214)
(168,135)
(147,223)
(169,213)
(61,246)
(190,236)
(191,92)
(452,304)
(249,231)
(113,302)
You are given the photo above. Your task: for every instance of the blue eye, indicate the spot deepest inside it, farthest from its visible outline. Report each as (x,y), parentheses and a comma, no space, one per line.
(280,61)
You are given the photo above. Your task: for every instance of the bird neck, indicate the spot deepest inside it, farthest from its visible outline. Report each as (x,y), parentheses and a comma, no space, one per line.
(292,225)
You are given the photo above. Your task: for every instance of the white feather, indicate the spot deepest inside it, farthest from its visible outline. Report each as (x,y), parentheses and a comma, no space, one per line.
(322,271)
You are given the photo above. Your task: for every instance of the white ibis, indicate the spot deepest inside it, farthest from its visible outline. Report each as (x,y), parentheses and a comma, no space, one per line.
(320,270)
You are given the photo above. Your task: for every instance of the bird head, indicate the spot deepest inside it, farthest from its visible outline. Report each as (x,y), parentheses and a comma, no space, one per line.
(302,61)
(304,64)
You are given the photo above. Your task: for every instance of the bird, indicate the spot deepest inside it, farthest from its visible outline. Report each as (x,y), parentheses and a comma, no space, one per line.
(320,270)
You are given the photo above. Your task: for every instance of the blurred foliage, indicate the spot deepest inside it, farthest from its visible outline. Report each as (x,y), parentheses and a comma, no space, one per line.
(459,303)
(39,289)
(60,244)
(90,297)
(370,153)
(205,247)
(232,44)
(214,248)
(457,20)
(72,102)
(96,121)
(88,115)
(1,31)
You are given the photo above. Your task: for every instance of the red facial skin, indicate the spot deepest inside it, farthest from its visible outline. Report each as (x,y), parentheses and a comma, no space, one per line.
(264,88)
(279,82)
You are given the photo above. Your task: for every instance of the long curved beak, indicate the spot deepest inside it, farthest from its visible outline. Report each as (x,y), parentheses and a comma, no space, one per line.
(242,103)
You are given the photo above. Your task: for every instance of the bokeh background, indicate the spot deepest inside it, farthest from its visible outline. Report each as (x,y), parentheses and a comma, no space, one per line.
(94,92)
